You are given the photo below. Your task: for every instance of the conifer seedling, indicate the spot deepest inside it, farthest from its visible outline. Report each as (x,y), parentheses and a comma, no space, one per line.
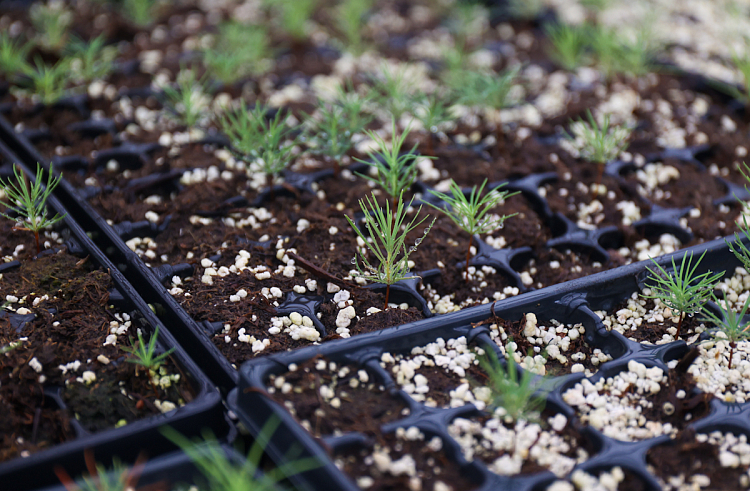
(386,240)
(730,324)
(471,214)
(28,202)
(682,290)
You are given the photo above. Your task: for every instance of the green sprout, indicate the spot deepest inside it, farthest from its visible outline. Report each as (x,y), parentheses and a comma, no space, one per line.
(263,143)
(396,172)
(49,83)
(518,398)
(144,354)
(730,325)
(387,242)
(29,202)
(354,105)
(392,91)
(140,12)
(9,347)
(475,88)
(525,9)
(221,474)
(433,112)
(569,45)
(682,290)
(189,99)
(738,248)
(350,22)
(13,56)
(118,478)
(598,143)
(616,54)
(239,51)
(294,15)
(91,61)
(331,131)
(51,20)
(471,214)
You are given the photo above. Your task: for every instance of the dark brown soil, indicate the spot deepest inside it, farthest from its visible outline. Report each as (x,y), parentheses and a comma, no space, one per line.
(686,456)
(364,408)
(71,324)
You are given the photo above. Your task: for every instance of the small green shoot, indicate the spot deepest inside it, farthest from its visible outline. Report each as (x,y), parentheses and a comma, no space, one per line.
(9,347)
(13,55)
(354,105)
(29,202)
(49,83)
(387,242)
(117,478)
(294,15)
(598,143)
(614,54)
(525,9)
(349,18)
(239,51)
(682,290)
(189,99)
(90,61)
(517,397)
(331,131)
(144,354)
(396,171)
(472,214)
(432,111)
(392,90)
(476,88)
(221,474)
(731,325)
(51,20)
(140,12)
(264,143)
(569,45)
(738,248)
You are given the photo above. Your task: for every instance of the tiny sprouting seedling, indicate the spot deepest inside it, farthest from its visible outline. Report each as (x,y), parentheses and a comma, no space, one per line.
(387,242)
(349,18)
(519,398)
(569,45)
(615,54)
(475,88)
(29,202)
(682,290)
(354,105)
(144,354)
(13,56)
(140,12)
(392,91)
(264,142)
(330,132)
(118,478)
(294,15)
(90,61)
(432,111)
(471,214)
(239,51)
(221,474)
(598,143)
(738,248)
(9,347)
(396,171)
(188,100)
(730,324)
(525,9)
(51,20)
(49,83)
(462,21)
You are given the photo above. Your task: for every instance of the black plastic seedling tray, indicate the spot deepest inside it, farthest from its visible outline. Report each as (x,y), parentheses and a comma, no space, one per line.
(572,302)
(204,411)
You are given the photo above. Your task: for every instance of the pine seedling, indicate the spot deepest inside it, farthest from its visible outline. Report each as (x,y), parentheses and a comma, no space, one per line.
(682,290)
(471,214)
(387,242)
(569,45)
(517,397)
(475,88)
(90,61)
(28,202)
(13,56)
(221,474)
(432,111)
(144,354)
(598,143)
(239,51)
(262,142)
(349,18)
(51,20)
(396,171)
(525,9)
(189,99)
(392,91)
(615,54)
(732,325)
(49,83)
(118,478)
(140,12)
(294,15)
(738,248)
(354,105)
(330,132)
